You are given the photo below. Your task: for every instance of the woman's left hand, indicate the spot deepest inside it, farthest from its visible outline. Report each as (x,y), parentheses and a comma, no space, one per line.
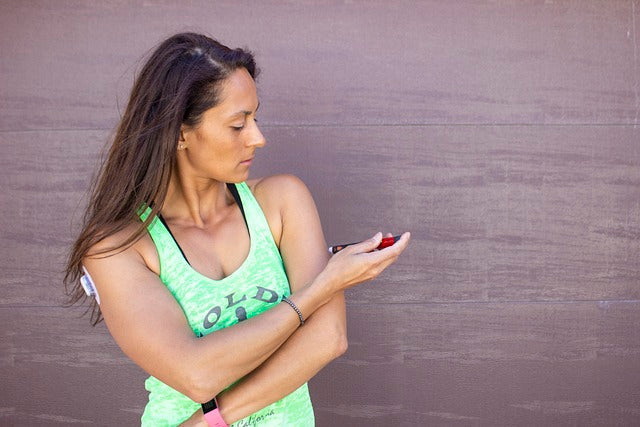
(196,420)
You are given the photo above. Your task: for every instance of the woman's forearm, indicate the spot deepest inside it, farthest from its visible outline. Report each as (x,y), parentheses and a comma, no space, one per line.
(219,369)
(309,349)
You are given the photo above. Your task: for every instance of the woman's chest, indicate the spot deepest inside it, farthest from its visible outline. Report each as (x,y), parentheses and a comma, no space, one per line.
(258,285)
(218,251)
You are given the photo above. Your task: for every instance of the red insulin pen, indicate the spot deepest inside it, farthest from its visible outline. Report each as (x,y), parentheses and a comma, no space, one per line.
(386,241)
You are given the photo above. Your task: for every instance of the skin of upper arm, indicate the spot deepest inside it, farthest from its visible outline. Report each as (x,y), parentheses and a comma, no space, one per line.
(299,233)
(301,241)
(142,315)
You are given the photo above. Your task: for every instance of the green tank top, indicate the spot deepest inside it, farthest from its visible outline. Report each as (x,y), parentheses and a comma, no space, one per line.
(256,286)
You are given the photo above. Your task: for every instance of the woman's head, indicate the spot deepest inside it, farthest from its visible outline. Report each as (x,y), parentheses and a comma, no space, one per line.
(182,79)
(220,147)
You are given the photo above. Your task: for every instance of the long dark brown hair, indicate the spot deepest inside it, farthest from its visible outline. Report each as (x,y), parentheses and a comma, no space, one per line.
(177,84)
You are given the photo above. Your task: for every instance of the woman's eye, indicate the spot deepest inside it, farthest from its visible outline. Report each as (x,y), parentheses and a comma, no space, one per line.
(239,128)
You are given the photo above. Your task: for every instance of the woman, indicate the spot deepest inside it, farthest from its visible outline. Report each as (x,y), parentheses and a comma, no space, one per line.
(204,278)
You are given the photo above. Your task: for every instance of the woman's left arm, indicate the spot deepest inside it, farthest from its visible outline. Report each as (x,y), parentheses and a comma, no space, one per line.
(323,336)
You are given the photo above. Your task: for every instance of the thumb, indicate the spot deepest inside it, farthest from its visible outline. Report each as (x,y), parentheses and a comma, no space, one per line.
(369,244)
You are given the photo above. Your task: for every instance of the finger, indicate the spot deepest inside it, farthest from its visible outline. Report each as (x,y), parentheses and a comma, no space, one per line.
(405,238)
(367,245)
(400,244)
(388,235)
(390,256)
(391,251)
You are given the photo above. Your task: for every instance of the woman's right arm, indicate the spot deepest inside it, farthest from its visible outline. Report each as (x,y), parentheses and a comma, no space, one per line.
(149,326)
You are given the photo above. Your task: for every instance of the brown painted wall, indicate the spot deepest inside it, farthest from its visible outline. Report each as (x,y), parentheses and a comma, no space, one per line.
(504,134)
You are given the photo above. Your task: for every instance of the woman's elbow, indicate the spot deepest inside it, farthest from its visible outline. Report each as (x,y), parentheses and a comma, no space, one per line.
(330,340)
(201,390)
(339,342)
(342,345)
(201,385)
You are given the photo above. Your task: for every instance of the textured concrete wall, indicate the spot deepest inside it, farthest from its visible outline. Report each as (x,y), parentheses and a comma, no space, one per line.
(504,134)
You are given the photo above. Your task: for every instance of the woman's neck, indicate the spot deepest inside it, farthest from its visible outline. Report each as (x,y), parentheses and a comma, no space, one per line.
(194,201)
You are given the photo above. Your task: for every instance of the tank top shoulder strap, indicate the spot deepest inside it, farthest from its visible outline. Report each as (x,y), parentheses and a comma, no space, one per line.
(258,225)
(168,250)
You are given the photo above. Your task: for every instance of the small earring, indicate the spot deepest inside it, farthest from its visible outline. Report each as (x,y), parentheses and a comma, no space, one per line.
(181,146)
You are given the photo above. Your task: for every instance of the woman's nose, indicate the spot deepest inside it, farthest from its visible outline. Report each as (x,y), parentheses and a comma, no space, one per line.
(256,138)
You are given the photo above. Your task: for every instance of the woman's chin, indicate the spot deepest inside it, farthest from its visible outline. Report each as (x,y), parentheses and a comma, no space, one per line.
(238,178)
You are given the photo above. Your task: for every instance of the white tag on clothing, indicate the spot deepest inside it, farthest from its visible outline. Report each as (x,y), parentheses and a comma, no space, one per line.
(89,287)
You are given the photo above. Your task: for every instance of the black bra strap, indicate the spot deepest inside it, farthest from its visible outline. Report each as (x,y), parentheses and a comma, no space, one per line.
(234,192)
(174,239)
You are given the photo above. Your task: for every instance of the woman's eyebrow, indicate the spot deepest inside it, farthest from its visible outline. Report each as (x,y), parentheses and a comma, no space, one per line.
(245,112)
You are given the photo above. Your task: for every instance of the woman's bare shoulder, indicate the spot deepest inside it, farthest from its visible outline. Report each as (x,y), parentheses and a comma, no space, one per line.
(278,191)
(277,187)
(112,244)
(276,194)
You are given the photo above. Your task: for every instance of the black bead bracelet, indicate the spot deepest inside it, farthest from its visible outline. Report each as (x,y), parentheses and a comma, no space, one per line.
(288,301)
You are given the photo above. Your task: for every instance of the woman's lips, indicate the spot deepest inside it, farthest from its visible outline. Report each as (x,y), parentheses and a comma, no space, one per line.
(246,162)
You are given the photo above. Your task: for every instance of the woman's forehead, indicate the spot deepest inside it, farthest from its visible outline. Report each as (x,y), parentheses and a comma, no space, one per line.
(238,93)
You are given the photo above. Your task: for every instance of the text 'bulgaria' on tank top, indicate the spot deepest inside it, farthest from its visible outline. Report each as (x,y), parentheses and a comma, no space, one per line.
(209,305)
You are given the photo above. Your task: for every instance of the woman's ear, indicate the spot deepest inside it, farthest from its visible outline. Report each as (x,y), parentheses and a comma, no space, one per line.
(183,128)
(182,144)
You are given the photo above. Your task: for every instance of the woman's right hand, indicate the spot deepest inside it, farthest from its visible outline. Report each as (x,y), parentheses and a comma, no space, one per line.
(361,262)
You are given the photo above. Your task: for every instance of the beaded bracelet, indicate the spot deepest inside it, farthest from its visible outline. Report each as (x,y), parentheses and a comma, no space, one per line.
(288,301)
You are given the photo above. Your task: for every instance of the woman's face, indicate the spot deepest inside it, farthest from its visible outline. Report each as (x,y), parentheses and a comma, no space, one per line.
(223,144)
